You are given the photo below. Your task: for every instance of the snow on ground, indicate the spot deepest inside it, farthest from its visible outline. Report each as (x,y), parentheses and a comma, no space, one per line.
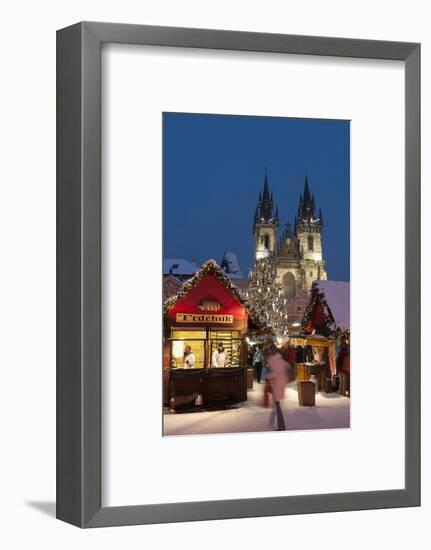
(331,411)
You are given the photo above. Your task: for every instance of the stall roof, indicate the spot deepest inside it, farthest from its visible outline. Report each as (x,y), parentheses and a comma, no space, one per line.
(337,295)
(212,267)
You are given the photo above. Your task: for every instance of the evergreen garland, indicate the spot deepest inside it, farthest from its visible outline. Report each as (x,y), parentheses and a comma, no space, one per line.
(211,266)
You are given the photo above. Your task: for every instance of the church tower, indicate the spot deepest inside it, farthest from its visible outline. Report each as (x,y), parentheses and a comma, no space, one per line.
(265,224)
(308,230)
(299,252)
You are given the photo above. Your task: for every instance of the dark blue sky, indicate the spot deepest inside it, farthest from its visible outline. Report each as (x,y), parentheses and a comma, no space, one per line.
(213,170)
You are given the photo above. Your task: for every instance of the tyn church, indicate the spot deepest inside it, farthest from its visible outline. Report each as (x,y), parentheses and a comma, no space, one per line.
(298,250)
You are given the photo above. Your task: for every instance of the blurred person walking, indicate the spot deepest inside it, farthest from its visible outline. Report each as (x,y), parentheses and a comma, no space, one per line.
(278,377)
(258,363)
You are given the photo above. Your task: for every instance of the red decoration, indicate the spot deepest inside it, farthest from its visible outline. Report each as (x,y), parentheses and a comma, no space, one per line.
(208,288)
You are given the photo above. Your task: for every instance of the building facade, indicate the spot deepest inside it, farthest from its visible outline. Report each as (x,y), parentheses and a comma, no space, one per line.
(298,250)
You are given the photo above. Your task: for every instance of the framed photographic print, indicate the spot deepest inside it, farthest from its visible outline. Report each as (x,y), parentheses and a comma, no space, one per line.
(238,280)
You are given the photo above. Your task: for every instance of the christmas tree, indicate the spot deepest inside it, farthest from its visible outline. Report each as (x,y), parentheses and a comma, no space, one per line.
(265,294)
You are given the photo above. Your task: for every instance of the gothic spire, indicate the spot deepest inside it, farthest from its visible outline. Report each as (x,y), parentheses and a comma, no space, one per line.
(266,205)
(265,196)
(306,206)
(265,212)
(307,196)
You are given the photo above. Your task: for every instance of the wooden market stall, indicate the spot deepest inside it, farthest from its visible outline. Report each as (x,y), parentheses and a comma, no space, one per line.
(207,315)
(325,334)
(314,357)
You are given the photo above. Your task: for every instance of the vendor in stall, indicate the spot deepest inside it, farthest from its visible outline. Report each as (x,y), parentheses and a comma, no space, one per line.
(188,357)
(220,358)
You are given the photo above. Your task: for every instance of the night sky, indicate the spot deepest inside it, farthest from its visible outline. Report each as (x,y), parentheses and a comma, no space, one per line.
(214,167)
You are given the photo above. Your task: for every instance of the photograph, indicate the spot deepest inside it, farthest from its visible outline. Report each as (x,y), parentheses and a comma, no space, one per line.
(201,203)
(256,274)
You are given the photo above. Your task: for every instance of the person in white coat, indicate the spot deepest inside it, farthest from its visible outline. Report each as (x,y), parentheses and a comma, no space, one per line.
(220,359)
(188,358)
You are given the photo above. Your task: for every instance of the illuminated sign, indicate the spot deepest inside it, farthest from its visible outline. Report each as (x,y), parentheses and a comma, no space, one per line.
(208,305)
(215,318)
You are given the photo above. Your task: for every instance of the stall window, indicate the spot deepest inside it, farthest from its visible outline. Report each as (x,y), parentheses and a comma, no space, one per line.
(231,342)
(193,338)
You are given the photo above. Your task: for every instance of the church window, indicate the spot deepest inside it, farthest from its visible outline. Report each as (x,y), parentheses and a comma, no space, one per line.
(267,241)
(289,285)
(311,273)
(310,242)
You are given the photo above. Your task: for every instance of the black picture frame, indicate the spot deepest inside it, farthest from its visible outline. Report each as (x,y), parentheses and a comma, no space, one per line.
(79,273)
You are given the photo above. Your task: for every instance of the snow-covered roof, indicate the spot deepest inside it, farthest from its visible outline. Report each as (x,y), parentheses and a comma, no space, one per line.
(230,264)
(337,294)
(178,266)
